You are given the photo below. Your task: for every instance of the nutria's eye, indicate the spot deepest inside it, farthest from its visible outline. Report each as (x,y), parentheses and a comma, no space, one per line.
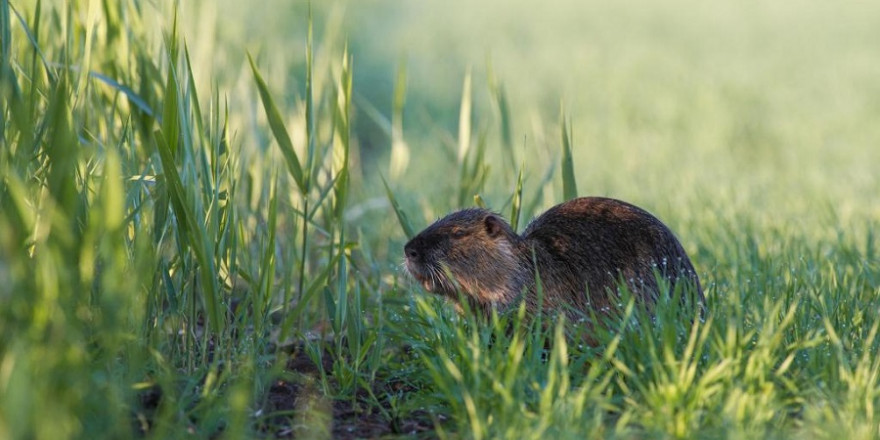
(457,233)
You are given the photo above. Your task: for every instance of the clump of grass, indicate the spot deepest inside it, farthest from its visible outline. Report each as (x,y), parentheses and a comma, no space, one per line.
(142,284)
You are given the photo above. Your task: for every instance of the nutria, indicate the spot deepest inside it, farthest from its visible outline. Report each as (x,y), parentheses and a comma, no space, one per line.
(583,251)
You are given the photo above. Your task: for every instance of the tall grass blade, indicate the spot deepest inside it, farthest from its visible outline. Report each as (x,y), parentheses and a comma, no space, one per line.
(311,135)
(500,95)
(294,167)
(8,83)
(5,36)
(342,138)
(399,148)
(309,160)
(464,119)
(267,275)
(516,202)
(401,215)
(171,95)
(569,186)
(473,172)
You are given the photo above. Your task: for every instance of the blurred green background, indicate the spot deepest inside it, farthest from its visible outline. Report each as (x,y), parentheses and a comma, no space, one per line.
(764,106)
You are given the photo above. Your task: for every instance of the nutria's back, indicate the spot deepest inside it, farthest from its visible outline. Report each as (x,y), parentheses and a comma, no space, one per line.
(582,249)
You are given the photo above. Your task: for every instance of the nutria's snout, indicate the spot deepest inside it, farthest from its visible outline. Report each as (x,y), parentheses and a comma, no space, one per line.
(412,256)
(411,252)
(419,265)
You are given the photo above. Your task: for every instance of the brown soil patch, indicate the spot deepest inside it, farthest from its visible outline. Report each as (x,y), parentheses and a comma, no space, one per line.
(297,408)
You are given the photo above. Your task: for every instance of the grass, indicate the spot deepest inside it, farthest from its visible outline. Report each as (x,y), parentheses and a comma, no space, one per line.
(196,241)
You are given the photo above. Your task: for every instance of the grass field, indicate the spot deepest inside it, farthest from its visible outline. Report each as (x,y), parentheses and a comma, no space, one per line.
(196,240)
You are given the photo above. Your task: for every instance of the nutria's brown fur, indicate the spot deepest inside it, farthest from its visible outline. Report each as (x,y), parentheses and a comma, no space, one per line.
(582,250)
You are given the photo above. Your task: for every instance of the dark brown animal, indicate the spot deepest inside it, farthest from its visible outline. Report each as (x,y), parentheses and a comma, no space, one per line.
(582,251)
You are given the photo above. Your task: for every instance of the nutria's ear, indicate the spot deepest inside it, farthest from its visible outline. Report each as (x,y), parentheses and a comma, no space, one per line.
(494,225)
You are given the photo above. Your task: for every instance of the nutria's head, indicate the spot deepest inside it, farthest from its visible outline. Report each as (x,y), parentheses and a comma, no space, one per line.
(473,251)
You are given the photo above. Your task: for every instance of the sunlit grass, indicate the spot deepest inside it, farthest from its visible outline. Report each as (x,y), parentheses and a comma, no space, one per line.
(197,211)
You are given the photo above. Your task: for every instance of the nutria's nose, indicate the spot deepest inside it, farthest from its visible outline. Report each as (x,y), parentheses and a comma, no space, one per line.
(411,252)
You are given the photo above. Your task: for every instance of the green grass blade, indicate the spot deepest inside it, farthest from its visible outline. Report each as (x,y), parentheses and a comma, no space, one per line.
(400,153)
(500,96)
(341,144)
(311,134)
(5,34)
(170,109)
(401,215)
(516,203)
(132,96)
(464,119)
(569,186)
(267,275)
(278,130)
